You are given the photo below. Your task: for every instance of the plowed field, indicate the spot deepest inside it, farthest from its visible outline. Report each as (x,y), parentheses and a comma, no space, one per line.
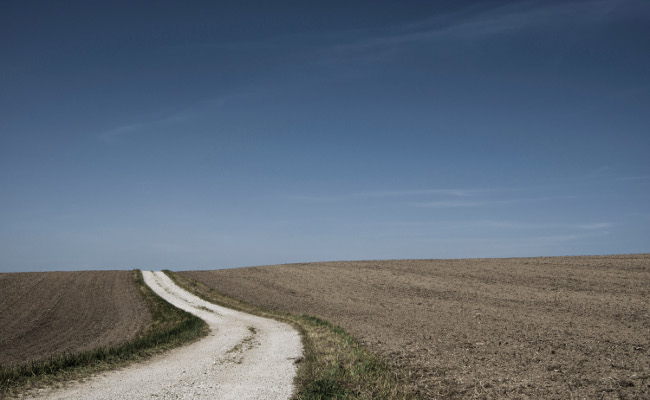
(46,313)
(556,327)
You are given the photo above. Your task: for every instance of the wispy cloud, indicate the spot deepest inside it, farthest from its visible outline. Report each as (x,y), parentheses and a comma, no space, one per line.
(462,203)
(480,22)
(435,198)
(148,125)
(134,128)
(547,240)
(387,194)
(171,118)
(542,226)
(634,178)
(487,202)
(608,173)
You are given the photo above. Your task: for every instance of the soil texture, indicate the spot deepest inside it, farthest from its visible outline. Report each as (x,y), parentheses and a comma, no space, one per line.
(244,357)
(49,313)
(548,327)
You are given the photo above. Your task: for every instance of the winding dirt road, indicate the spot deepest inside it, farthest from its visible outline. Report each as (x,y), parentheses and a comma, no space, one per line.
(243,357)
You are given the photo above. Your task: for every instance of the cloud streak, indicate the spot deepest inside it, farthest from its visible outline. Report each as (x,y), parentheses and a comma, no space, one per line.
(478,22)
(177,117)
(443,198)
(140,127)
(541,226)
(462,203)
(487,202)
(387,195)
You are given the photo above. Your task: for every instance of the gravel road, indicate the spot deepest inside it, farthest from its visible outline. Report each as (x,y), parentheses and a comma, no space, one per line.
(243,357)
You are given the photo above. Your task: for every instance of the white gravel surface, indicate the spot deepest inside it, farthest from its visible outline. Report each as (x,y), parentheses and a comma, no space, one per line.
(243,357)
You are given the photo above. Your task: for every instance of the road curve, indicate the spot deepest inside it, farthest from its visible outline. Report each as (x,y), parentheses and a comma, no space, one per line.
(243,357)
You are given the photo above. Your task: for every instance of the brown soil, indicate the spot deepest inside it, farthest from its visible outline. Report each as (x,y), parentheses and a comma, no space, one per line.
(47,313)
(559,327)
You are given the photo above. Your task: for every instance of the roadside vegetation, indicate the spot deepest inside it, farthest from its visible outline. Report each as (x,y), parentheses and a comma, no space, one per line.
(170,327)
(334,365)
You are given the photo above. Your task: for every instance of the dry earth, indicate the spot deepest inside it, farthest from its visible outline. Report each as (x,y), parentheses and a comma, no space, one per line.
(559,327)
(47,313)
(244,357)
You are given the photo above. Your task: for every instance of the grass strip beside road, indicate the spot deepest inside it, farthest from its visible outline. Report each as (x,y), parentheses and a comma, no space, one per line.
(334,366)
(170,327)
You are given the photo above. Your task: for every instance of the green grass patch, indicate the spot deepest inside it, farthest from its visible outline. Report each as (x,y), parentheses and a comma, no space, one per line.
(334,366)
(170,327)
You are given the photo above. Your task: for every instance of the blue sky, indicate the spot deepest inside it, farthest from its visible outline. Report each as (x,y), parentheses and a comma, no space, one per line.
(223,134)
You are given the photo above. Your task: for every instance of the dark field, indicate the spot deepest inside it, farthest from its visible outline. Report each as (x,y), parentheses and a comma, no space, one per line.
(47,313)
(556,327)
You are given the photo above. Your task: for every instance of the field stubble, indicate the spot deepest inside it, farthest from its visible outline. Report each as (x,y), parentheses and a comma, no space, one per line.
(555,327)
